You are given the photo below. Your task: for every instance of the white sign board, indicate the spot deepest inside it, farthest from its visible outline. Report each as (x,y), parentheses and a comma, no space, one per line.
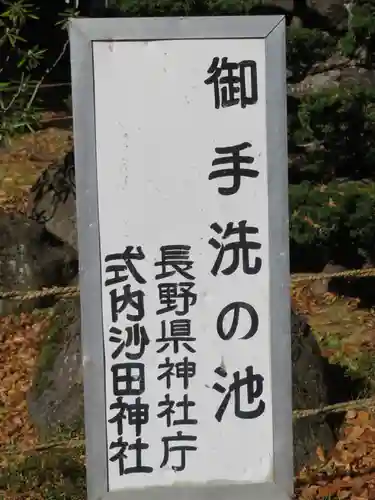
(181,167)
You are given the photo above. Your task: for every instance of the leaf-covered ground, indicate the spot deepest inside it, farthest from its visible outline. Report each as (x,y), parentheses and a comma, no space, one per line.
(20,337)
(23,160)
(346,334)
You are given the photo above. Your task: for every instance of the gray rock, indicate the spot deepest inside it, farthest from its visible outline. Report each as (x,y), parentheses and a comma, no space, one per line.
(31,259)
(314,13)
(323,75)
(321,287)
(320,81)
(56,398)
(310,390)
(336,11)
(52,201)
(287,5)
(357,76)
(337,71)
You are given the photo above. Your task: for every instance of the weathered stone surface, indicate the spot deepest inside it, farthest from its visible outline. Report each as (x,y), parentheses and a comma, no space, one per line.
(357,76)
(56,398)
(52,201)
(339,77)
(327,75)
(31,259)
(337,71)
(321,287)
(321,81)
(310,390)
(334,10)
(287,5)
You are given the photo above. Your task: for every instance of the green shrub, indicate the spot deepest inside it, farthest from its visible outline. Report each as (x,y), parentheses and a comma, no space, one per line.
(334,221)
(18,110)
(231,7)
(306,47)
(339,126)
(361,31)
(21,72)
(149,8)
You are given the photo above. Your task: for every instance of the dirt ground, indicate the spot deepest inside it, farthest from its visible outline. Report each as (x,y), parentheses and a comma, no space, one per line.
(345,331)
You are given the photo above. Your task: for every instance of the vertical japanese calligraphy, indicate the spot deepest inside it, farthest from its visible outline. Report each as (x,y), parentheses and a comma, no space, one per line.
(234,83)
(231,90)
(235,159)
(185,253)
(175,346)
(176,339)
(128,372)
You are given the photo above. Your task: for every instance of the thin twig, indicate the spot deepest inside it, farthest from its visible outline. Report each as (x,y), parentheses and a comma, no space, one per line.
(56,119)
(329,66)
(326,475)
(16,95)
(43,86)
(47,72)
(65,443)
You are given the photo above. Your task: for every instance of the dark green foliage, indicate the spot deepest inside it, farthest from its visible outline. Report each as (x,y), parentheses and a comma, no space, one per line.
(230,7)
(331,133)
(156,8)
(339,126)
(149,8)
(21,68)
(332,222)
(17,100)
(361,31)
(306,47)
